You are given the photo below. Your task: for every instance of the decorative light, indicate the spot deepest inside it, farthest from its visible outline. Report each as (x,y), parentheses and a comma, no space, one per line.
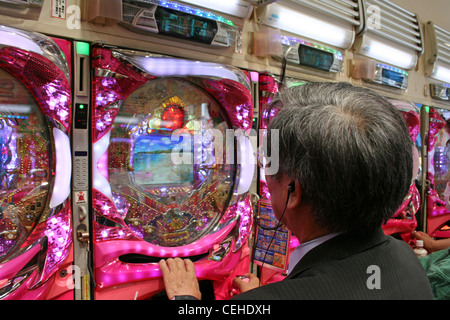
(191,10)
(340,36)
(61,188)
(99,179)
(163,67)
(391,68)
(247,162)
(441,72)
(58,231)
(173,114)
(237,8)
(390,54)
(245,211)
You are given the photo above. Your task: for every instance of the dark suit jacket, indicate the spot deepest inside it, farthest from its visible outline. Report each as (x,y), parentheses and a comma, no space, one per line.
(340,269)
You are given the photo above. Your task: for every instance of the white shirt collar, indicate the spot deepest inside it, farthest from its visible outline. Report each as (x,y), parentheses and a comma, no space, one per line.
(304,248)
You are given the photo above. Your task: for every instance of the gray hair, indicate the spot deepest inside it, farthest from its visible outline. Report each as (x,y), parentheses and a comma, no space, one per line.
(350,151)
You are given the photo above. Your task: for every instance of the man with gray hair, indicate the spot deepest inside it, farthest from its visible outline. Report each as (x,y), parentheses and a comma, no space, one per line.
(345,166)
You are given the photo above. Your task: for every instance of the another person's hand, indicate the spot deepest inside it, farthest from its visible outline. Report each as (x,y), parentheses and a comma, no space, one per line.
(430,244)
(179,278)
(245,283)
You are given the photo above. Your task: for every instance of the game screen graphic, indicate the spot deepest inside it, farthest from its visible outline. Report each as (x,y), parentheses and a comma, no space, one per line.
(167,162)
(153,164)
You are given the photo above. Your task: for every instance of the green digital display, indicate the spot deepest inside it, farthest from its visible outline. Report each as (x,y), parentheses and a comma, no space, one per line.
(186,26)
(315,58)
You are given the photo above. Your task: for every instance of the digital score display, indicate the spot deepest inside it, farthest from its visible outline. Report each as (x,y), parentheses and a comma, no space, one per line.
(392,78)
(315,58)
(183,25)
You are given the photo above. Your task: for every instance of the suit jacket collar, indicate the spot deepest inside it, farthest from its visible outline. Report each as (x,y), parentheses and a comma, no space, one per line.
(339,247)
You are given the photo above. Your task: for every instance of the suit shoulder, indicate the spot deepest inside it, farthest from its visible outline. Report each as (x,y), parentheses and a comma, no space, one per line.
(390,270)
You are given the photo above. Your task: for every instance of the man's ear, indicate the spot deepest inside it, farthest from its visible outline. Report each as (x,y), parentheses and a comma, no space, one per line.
(295,195)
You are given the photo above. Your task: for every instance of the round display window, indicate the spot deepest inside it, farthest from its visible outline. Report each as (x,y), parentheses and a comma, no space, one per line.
(170,165)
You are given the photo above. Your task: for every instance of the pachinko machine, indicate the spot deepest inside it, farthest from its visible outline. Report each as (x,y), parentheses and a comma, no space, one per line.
(273,242)
(172,166)
(404,220)
(35,166)
(438,188)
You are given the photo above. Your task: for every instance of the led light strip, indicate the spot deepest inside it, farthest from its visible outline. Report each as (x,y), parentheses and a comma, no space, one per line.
(190,10)
(385,66)
(235,8)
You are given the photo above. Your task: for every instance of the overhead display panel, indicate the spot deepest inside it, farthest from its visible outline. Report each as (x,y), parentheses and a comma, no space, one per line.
(440,91)
(178,20)
(312,55)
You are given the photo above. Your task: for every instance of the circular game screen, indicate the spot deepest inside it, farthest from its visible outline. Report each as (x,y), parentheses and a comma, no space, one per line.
(169,169)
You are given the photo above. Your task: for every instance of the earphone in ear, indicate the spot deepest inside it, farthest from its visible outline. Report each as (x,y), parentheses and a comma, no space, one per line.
(291,187)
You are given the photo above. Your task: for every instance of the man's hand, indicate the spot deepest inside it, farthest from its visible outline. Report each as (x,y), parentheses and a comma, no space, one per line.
(247,282)
(179,278)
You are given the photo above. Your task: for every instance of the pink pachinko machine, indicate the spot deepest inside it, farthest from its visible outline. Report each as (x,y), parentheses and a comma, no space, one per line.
(404,220)
(35,166)
(274,242)
(172,166)
(438,186)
